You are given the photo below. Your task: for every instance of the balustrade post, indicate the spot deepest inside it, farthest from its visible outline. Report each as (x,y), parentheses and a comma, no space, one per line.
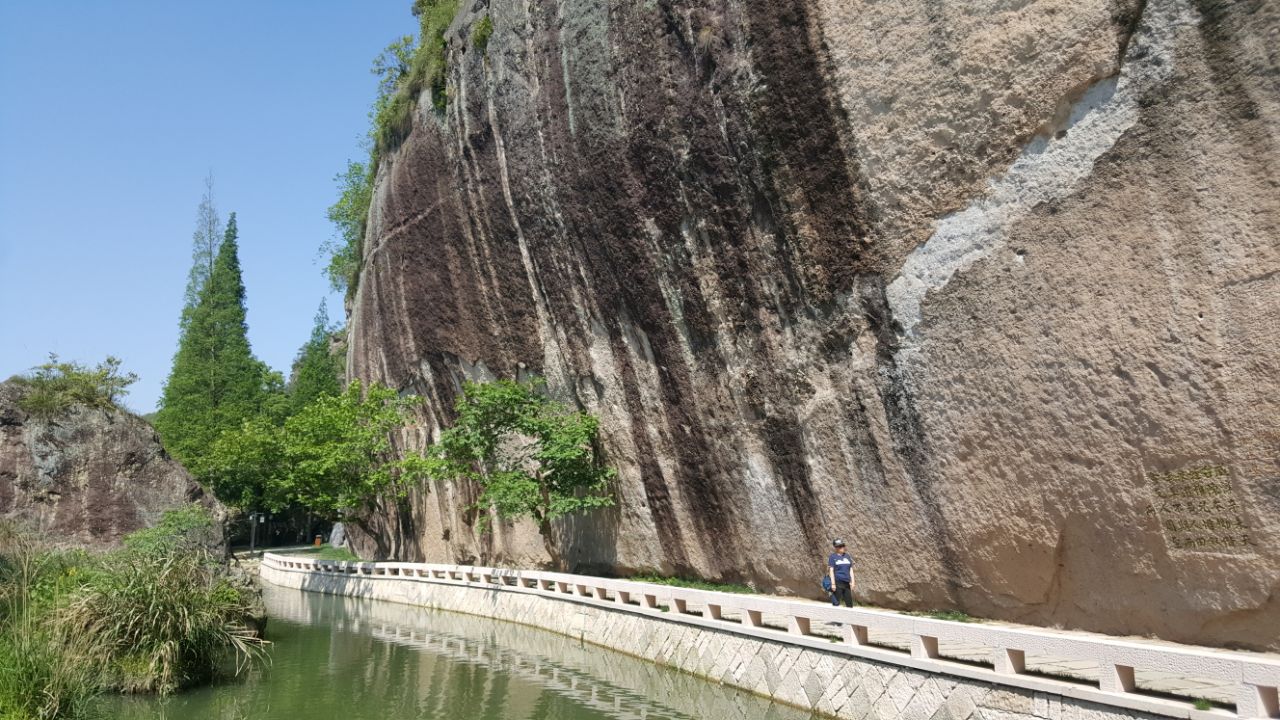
(797,625)
(1257,701)
(1115,678)
(1009,662)
(855,634)
(924,646)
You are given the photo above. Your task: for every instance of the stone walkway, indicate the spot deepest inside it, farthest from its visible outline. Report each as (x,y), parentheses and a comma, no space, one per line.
(1155,682)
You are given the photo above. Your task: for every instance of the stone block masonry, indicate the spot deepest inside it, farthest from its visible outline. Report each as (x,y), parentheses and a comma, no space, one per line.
(794,665)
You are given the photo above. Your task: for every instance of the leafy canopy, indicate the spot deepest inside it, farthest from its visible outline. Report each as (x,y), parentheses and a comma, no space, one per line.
(54,387)
(349,216)
(530,456)
(333,457)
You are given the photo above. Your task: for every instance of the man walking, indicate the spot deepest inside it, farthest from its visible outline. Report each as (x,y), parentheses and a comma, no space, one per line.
(840,570)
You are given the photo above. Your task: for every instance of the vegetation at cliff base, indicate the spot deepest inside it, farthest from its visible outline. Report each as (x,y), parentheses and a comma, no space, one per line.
(694,584)
(529,455)
(334,457)
(145,618)
(54,387)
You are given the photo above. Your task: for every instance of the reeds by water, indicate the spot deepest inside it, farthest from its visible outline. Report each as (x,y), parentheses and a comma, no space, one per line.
(148,618)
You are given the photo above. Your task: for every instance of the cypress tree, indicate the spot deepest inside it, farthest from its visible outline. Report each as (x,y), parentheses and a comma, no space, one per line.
(317,369)
(216,382)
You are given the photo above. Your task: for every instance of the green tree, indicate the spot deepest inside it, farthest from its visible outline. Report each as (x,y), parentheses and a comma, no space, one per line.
(204,249)
(317,370)
(530,456)
(349,215)
(334,457)
(216,383)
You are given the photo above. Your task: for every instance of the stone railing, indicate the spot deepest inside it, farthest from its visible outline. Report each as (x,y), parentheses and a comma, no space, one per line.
(1255,678)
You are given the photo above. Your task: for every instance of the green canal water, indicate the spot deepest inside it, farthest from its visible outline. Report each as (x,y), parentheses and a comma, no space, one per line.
(350,659)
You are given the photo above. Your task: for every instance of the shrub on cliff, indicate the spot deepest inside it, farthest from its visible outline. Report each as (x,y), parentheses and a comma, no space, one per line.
(349,216)
(55,387)
(530,456)
(481,33)
(404,69)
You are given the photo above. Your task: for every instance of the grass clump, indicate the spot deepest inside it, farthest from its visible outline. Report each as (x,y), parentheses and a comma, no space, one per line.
(481,33)
(1203,704)
(55,387)
(327,552)
(156,616)
(694,584)
(952,615)
(160,623)
(40,678)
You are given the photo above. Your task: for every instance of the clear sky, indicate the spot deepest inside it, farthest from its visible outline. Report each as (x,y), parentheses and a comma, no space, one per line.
(111,115)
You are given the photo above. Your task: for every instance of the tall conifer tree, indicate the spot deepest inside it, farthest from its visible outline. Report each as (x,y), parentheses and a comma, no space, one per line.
(216,382)
(317,370)
(204,249)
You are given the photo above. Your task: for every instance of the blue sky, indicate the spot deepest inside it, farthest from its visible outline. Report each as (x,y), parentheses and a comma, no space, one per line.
(111,115)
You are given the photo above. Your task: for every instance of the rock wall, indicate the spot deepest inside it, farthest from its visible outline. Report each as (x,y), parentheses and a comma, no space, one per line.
(989,288)
(88,477)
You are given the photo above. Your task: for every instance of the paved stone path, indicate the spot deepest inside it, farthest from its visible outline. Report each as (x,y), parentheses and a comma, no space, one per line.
(1147,680)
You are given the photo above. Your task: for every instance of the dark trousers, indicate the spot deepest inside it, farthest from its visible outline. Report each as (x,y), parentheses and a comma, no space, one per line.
(842,593)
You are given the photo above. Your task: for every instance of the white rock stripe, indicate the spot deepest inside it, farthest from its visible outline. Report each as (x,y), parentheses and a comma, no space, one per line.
(1048,169)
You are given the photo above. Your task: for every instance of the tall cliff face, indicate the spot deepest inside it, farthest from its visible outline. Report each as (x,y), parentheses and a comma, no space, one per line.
(989,288)
(88,477)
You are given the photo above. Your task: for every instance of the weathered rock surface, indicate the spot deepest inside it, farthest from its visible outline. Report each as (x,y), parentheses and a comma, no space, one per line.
(88,477)
(990,288)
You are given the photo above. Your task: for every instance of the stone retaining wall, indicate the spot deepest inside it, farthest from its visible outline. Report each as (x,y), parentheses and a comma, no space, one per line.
(827,682)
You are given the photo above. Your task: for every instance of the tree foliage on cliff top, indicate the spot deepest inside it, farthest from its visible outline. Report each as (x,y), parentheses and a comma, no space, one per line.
(404,69)
(412,70)
(55,387)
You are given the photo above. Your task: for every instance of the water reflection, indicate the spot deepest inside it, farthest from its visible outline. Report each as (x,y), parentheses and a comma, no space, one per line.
(351,659)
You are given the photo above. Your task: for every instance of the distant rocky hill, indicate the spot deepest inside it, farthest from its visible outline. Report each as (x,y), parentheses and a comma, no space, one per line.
(88,476)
